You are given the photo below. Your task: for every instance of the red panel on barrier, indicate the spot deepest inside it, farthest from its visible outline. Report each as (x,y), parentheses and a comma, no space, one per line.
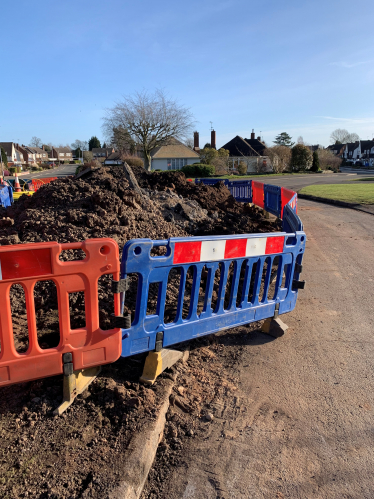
(286,196)
(258,194)
(19,264)
(89,345)
(274,245)
(235,248)
(187,252)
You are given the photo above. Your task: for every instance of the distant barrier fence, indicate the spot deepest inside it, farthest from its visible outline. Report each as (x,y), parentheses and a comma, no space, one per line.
(222,282)
(271,198)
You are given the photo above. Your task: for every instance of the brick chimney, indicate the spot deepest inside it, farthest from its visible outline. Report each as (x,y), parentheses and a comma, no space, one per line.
(196,146)
(43,147)
(253,134)
(213,139)
(259,138)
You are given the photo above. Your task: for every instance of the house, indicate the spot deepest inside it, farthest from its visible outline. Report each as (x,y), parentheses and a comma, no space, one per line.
(249,151)
(29,156)
(337,149)
(41,156)
(352,151)
(173,156)
(62,154)
(114,159)
(102,152)
(33,155)
(14,155)
(367,152)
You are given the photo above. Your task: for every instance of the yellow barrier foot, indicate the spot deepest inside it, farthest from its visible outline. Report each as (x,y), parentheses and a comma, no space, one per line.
(157,362)
(274,327)
(74,384)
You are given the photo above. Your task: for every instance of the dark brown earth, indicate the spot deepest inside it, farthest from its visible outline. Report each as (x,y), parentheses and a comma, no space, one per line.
(79,454)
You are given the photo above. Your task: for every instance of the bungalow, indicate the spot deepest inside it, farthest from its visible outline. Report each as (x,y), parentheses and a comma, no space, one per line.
(173,156)
(249,151)
(114,159)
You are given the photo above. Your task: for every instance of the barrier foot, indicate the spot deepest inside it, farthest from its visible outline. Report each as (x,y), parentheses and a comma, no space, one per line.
(157,362)
(274,327)
(74,384)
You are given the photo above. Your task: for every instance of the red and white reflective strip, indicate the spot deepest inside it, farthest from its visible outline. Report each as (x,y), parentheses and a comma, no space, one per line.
(223,249)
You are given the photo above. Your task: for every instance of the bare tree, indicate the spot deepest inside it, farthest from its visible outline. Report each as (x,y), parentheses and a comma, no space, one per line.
(280,157)
(80,144)
(189,143)
(300,140)
(342,136)
(151,120)
(35,142)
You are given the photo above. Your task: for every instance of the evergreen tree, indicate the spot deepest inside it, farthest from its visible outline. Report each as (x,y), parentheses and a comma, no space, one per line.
(283,139)
(93,142)
(315,164)
(301,158)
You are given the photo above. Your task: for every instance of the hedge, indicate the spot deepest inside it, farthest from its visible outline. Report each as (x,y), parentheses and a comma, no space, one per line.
(133,161)
(198,170)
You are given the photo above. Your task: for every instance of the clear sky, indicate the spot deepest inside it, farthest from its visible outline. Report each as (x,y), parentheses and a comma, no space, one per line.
(304,67)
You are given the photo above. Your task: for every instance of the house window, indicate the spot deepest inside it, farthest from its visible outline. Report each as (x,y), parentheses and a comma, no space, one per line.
(168,164)
(61,154)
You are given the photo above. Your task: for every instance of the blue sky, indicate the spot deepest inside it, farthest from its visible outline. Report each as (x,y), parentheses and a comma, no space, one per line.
(301,67)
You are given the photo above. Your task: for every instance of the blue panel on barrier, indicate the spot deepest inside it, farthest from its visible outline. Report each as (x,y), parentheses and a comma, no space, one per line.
(241,190)
(291,221)
(212,295)
(273,199)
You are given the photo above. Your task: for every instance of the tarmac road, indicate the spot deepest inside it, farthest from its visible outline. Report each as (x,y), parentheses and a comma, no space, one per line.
(304,425)
(60,171)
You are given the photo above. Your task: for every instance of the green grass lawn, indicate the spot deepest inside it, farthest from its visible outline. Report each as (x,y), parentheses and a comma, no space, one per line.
(356,193)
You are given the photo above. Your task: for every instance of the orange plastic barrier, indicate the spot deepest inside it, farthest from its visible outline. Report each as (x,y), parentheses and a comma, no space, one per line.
(26,264)
(258,194)
(38,182)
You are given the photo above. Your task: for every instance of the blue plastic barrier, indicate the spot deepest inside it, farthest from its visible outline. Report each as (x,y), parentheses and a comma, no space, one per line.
(241,190)
(4,196)
(246,298)
(273,201)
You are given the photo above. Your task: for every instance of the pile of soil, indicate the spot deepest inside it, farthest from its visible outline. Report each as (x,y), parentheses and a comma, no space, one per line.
(78,455)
